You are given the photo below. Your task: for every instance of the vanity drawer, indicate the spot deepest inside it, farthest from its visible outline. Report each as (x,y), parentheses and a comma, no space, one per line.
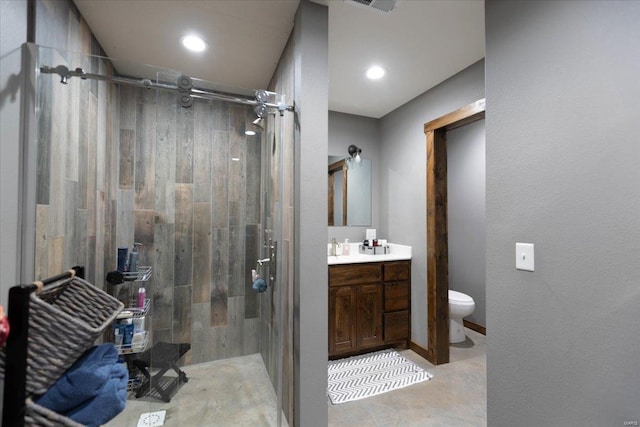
(396,296)
(397,270)
(396,326)
(352,274)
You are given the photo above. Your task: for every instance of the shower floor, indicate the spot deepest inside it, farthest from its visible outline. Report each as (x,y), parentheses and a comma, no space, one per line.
(231,392)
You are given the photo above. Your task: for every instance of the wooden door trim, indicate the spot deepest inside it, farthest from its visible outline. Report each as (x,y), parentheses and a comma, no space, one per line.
(339,166)
(437,227)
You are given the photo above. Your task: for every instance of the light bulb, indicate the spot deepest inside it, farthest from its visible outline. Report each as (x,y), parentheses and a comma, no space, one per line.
(194,43)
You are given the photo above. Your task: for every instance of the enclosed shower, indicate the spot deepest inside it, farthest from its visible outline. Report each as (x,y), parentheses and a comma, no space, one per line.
(194,174)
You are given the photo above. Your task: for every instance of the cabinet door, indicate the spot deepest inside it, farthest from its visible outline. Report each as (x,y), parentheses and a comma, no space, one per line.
(369,315)
(342,319)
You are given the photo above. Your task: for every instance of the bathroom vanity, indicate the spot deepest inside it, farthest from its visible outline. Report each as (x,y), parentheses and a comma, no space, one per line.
(369,303)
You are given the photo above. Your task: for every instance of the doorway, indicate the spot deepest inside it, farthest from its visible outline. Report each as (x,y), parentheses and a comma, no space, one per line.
(437,227)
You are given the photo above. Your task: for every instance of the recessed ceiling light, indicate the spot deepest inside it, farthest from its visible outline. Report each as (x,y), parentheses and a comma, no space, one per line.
(375,72)
(249,132)
(193,43)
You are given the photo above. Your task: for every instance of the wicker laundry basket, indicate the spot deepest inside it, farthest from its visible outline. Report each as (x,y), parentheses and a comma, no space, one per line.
(65,319)
(38,416)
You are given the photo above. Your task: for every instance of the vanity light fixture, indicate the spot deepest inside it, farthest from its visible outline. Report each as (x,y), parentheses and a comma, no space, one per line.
(375,72)
(193,43)
(354,155)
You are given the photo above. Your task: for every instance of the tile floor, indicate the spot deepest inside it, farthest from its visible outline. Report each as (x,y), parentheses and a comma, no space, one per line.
(226,393)
(455,396)
(237,392)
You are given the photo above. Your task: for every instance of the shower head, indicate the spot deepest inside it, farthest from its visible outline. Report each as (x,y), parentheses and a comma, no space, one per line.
(260,110)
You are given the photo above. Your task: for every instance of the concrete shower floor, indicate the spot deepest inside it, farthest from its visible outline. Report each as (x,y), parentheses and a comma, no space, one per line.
(231,392)
(455,396)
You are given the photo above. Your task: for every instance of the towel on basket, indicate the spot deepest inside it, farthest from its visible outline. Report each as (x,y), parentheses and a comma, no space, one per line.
(93,390)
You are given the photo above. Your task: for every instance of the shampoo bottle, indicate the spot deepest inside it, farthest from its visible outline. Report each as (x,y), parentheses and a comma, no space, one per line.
(133,257)
(142,295)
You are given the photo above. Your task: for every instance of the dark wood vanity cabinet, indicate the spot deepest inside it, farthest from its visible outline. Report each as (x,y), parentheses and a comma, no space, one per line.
(369,306)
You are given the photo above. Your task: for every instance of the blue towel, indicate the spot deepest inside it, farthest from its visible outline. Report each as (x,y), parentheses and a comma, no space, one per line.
(107,404)
(93,376)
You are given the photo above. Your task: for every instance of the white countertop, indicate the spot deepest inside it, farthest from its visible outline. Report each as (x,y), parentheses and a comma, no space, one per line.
(397,253)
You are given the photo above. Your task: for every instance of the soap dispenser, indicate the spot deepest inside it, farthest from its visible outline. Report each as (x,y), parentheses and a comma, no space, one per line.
(346,250)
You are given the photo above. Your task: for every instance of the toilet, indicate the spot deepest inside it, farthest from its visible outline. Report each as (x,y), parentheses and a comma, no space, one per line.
(460,305)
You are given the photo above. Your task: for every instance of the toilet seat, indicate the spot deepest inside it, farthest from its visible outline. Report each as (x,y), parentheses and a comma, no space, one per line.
(456,297)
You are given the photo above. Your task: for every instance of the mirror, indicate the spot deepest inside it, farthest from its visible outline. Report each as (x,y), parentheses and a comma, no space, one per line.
(349,192)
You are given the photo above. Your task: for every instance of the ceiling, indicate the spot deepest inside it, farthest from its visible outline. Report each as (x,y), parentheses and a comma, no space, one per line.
(420,43)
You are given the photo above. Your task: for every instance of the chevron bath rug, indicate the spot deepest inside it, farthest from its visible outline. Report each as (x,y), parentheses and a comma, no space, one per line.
(371,374)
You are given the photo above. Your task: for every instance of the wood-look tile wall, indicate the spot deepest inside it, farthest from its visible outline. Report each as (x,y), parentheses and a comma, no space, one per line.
(196,212)
(74,130)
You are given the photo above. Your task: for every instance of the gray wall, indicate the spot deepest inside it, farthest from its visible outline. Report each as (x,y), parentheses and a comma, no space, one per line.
(13,32)
(563,172)
(403,176)
(466,204)
(364,132)
(310,294)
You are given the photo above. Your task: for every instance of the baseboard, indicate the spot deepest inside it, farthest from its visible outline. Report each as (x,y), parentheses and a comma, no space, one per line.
(475,327)
(420,351)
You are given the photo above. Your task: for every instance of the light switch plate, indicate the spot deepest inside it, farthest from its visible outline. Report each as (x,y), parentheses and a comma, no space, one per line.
(525,257)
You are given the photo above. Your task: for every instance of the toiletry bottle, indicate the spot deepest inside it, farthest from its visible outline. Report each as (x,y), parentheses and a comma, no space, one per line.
(133,257)
(142,294)
(346,250)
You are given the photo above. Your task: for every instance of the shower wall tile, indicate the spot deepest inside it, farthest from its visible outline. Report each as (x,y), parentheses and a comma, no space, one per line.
(73,94)
(162,335)
(237,149)
(220,115)
(100,129)
(217,343)
(125,233)
(43,171)
(79,251)
(92,274)
(144,232)
(235,327)
(182,317)
(220,277)
(42,241)
(127,97)
(201,252)
(162,306)
(165,174)
(89,166)
(220,190)
(253,179)
(163,255)
(184,146)
(184,235)
(237,276)
(200,313)
(145,169)
(252,254)
(56,256)
(127,159)
(202,151)
(86,164)
(70,218)
(251,335)
(98,243)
